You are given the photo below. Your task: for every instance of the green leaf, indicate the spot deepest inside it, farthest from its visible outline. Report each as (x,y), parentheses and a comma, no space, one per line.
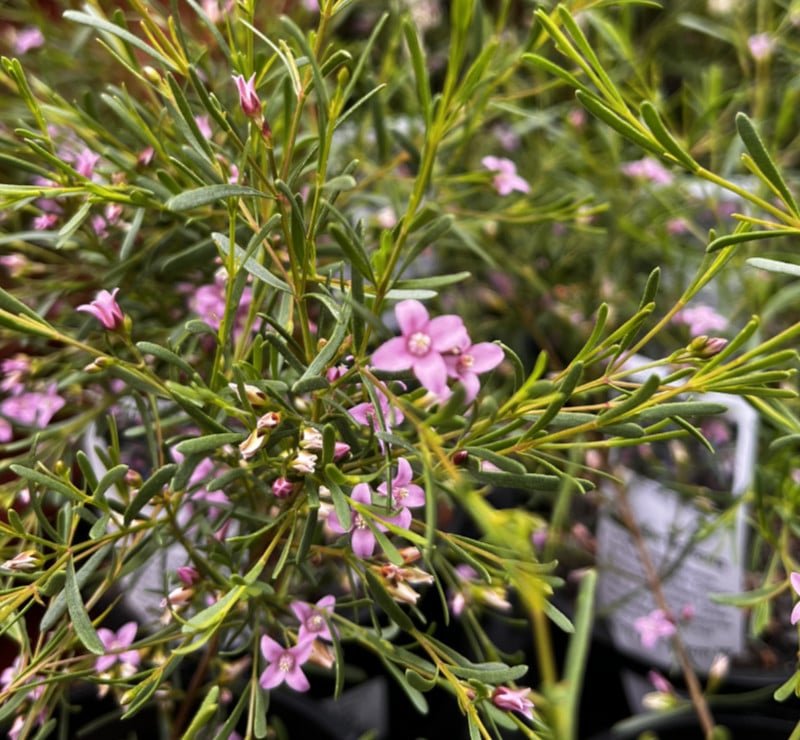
(749,598)
(168,356)
(755,145)
(643,393)
(495,673)
(250,264)
(150,488)
(83,626)
(209,194)
(110,478)
(787,688)
(48,481)
(203,714)
(383,599)
(420,683)
(731,239)
(316,369)
(208,443)
(420,66)
(679,408)
(656,126)
(599,109)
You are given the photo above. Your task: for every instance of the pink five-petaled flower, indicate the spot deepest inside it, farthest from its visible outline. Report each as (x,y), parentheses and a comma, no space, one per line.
(795,579)
(652,627)
(506,180)
(362,538)
(405,494)
(285,664)
(105,309)
(470,361)
(513,700)
(422,344)
(115,644)
(248,97)
(312,622)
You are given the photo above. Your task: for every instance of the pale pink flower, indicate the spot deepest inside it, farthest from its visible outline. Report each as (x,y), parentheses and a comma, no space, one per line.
(115,644)
(45,221)
(34,408)
(285,664)
(27,39)
(653,627)
(248,97)
(405,494)
(204,126)
(105,309)
(85,162)
(313,622)
(701,320)
(362,539)
(513,700)
(795,580)
(648,169)
(506,179)
(471,360)
(366,414)
(761,46)
(422,345)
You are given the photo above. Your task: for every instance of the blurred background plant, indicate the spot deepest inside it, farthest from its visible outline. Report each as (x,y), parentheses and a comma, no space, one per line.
(233,492)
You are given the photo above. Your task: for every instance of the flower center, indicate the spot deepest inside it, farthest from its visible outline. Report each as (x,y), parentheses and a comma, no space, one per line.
(399,493)
(419,344)
(286,662)
(315,623)
(358,521)
(465,362)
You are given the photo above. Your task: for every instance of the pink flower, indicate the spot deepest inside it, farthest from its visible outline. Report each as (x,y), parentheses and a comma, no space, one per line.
(85,162)
(795,579)
(653,627)
(470,361)
(204,125)
(312,621)
(35,408)
(362,539)
(701,320)
(248,97)
(115,644)
(648,169)
(404,493)
(105,309)
(761,46)
(284,664)
(27,39)
(506,180)
(422,344)
(366,414)
(513,700)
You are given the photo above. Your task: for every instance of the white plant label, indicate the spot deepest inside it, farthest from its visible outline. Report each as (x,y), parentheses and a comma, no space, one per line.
(691,563)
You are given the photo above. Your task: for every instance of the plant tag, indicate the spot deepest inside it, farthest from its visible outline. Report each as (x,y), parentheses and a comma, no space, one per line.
(676,491)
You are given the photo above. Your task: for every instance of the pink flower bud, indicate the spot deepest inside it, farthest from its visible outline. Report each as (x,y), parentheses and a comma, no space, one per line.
(248,98)
(282,488)
(105,309)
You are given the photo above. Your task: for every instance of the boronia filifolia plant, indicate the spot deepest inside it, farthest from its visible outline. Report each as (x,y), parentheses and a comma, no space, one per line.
(232,360)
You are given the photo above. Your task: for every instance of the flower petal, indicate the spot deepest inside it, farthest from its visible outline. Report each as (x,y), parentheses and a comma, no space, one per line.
(431,372)
(363,542)
(485,356)
(270,649)
(411,316)
(392,355)
(271,677)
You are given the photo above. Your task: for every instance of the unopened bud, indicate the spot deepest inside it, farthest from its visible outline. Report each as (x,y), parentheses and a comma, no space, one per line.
(705,347)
